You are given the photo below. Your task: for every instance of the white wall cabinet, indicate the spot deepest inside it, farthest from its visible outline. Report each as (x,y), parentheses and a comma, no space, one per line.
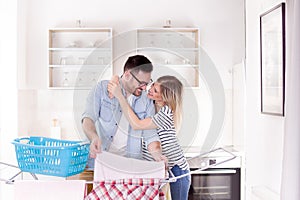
(78,57)
(173,51)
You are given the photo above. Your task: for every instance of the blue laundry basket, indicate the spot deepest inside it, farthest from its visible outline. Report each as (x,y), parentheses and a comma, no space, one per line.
(41,155)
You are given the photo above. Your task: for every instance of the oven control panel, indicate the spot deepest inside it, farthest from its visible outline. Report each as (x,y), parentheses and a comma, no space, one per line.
(214,162)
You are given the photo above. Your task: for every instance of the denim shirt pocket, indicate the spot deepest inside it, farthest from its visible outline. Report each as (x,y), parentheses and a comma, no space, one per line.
(107,111)
(141,113)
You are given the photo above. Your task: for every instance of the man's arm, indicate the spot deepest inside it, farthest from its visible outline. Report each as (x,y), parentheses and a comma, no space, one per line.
(89,117)
(89,129)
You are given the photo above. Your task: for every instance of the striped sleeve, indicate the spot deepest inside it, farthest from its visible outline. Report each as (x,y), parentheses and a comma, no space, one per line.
(164,118)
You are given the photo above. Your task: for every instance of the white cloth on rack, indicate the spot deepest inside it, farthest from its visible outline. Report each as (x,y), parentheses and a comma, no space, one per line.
(109,166)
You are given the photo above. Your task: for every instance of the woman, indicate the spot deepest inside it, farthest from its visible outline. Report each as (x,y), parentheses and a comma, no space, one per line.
(167,95)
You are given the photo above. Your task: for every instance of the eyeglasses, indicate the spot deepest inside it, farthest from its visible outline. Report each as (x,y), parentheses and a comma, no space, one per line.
(141,83)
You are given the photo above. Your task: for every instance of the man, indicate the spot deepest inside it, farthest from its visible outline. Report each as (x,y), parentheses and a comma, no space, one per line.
(106,126)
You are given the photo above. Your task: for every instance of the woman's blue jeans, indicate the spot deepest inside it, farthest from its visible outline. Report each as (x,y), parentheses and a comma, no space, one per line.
(180,188)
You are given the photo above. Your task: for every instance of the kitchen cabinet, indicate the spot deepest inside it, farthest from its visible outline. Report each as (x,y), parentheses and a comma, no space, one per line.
(173,51)
(78,56)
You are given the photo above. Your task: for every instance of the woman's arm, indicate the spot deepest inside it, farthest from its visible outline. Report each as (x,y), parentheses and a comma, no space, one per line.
(114,79)
(134,121)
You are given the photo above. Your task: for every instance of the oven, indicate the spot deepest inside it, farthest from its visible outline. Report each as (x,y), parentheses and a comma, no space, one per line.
(216,175)
(216,183)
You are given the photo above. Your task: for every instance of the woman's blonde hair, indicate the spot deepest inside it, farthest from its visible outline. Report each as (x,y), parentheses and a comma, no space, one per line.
(171,91)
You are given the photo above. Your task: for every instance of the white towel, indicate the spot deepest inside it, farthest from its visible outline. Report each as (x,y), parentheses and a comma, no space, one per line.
(110,166)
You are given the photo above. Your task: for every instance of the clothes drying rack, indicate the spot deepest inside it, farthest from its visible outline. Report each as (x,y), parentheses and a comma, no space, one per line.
(172,178)
(110,183)
(12,178)
(228,156)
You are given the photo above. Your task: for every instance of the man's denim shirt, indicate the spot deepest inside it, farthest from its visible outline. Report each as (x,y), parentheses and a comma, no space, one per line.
(106,114)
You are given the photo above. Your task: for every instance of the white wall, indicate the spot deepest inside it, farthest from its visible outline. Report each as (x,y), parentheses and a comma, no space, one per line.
(8,88)
(221,26)
(264,133)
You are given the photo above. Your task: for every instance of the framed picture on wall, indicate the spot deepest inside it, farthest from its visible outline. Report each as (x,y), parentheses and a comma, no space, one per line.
(272,60)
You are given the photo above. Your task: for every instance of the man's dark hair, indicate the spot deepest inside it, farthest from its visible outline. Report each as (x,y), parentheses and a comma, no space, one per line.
(138,63)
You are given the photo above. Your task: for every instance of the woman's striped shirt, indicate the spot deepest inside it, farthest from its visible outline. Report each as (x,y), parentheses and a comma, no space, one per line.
(164,120)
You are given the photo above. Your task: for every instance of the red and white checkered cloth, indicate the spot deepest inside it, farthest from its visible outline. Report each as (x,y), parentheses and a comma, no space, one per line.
(127,189)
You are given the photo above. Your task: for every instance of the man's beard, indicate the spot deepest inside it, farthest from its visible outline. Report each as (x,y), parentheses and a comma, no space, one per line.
(137,92)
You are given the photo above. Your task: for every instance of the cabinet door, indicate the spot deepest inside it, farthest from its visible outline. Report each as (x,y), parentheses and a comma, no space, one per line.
(78,57)
(173,51)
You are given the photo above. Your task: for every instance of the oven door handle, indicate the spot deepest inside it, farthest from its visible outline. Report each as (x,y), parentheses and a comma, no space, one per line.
(222,171)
